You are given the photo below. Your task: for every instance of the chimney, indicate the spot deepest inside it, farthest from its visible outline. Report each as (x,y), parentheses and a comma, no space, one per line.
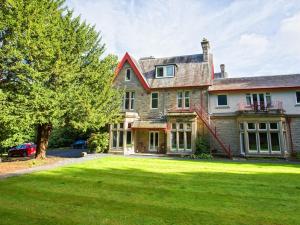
(205,49)
(223,73)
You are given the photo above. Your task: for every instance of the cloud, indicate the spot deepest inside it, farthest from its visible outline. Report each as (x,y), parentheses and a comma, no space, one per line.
(251,37)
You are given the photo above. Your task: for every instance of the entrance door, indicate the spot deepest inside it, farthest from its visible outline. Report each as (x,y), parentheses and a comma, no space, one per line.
(153,141)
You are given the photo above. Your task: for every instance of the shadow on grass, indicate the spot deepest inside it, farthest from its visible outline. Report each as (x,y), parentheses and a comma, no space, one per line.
(122,193)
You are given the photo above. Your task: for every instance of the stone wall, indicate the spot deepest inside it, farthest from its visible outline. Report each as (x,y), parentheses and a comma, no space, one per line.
(295,130)
(228,131)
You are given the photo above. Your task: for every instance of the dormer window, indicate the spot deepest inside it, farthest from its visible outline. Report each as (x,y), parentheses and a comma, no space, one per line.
(128,75)
(165,71)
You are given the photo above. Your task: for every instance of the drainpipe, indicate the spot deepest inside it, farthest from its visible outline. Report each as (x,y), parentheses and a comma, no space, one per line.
(290,135)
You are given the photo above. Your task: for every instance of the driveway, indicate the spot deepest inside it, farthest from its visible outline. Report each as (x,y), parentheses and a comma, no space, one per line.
(66,153)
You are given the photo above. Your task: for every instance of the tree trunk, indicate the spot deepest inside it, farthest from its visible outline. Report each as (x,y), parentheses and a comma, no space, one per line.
(43,134)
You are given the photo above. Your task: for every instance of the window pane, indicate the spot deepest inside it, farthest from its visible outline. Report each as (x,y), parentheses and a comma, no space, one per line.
(121,125)
(222,99)
(151,140)
(251,126)
(275,141)
(128,138)
(115,126)
(174,126)
(262,126)
(181,140)
(115,133)
(181,126)
(160,72)
(173,140)
(128,73)
(120,139)
(189,140)
(241,126)
(156,139)
(179,99)
(242,142)
(132,104)
(252,141)
(188,126)
(154,101)
(127,96)
(170,71)
(263,141)
(298,96)
(187,99)
(268,99)
(248,99)
(273,126)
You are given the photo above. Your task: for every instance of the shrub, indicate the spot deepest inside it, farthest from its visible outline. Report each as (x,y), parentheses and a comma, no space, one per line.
(200,156)
(202,146)
(98,142)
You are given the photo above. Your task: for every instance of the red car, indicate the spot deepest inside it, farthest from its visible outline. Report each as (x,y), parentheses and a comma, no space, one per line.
(23,150)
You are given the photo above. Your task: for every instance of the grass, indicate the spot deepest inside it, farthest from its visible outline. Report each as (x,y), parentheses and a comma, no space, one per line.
(118,190)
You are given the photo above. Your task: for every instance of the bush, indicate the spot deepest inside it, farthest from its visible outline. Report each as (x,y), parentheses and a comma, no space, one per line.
(202,146)
(98,142)
(200,156)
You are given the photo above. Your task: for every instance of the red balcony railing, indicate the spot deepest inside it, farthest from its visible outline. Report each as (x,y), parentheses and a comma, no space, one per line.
(260,106)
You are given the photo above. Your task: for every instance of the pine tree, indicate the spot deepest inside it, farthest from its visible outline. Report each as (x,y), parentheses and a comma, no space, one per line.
(52,72)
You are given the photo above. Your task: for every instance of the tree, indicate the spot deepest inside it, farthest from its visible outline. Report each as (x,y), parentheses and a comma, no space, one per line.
(52,71)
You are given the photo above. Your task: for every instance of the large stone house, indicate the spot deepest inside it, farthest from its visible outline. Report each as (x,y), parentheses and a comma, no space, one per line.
(169,102)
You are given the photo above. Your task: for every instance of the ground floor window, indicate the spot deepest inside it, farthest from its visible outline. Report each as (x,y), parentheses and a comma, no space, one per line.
(181,137)
(262,137)
(117,135)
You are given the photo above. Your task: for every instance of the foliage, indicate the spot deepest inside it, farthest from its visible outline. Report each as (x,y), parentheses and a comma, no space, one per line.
(202,145)
(52,72)
(200,156)
(98,142)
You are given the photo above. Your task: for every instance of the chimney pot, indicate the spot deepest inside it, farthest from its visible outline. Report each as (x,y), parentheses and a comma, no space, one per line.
(205,49)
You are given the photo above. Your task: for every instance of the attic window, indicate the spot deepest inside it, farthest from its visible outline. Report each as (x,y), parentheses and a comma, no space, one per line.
(128,75)
(165,71)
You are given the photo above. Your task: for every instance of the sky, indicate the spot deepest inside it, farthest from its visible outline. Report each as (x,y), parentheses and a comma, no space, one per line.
(251,37)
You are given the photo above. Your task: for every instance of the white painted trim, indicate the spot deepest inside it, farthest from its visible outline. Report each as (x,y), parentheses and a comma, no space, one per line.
(154,139)
(152,98)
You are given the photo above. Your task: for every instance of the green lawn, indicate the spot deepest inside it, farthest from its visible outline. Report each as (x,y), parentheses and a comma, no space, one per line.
(118,190)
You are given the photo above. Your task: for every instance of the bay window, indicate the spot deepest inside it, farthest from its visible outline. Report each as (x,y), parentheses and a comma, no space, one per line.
(181,137)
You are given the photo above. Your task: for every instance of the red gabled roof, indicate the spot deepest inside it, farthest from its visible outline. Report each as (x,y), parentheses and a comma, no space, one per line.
(127,58)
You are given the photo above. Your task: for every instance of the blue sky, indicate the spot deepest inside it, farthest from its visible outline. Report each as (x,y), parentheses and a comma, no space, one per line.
(252,37)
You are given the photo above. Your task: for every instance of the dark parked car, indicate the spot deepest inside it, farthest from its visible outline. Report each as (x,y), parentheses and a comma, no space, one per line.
(22,150)
(79,144)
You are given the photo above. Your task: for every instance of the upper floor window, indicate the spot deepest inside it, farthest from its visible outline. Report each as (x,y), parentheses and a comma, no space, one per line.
(128,75)
(183,99)
(165,71)
(298,97)
(222,100)
(154,100)
(129,100)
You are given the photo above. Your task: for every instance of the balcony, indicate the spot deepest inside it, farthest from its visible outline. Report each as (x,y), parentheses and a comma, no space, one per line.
(276,107)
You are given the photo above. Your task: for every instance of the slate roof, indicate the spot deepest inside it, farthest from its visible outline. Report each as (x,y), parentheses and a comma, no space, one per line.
(260,82)
(190,70)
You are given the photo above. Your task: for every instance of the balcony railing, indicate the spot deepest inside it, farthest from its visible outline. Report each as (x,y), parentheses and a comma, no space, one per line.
(261,106)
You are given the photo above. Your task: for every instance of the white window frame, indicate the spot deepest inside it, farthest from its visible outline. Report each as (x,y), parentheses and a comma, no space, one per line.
(130,107)
(176,130)
(118,129)
(218,100)
(154,139)
(183,99)
(130,72)
(164,71)
(151,105)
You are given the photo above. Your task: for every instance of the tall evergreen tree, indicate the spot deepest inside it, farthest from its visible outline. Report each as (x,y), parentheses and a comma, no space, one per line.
(52,72)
